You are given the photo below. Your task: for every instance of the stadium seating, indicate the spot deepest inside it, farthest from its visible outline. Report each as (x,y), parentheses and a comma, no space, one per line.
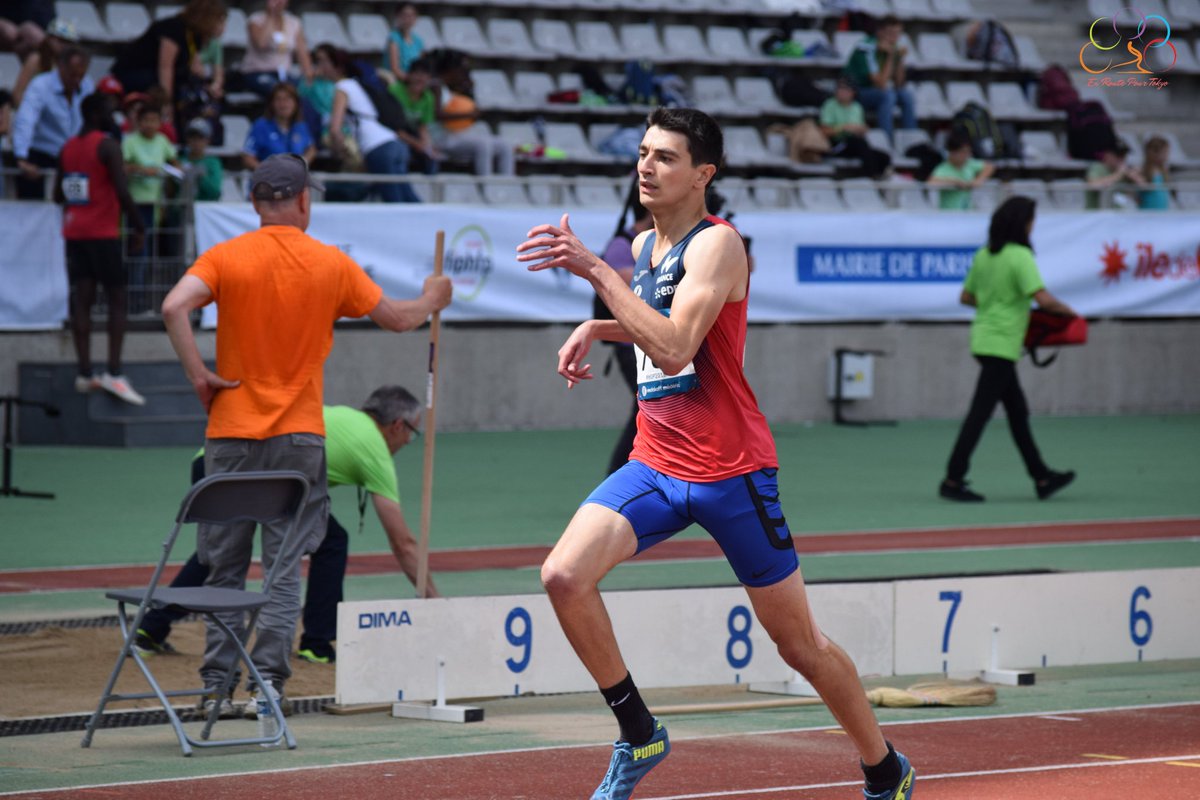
(85,17)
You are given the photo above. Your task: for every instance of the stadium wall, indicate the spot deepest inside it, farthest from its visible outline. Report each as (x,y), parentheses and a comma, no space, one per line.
(502,377)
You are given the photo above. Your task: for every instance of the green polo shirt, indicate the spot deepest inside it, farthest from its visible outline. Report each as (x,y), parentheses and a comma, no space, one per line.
(834,114)
(1003,284)
(957,199)
(421,111)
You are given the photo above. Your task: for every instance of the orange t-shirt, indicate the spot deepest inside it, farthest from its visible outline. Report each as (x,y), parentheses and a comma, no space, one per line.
(278,292)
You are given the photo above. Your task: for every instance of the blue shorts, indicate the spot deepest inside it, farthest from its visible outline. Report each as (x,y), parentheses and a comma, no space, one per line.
(741,513)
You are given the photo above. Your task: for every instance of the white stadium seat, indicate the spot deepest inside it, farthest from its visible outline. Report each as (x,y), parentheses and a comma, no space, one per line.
(83,15)
(126,21)
(324,26)
(367,32)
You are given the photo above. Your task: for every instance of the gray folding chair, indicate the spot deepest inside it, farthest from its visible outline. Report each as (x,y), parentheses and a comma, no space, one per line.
(219,500)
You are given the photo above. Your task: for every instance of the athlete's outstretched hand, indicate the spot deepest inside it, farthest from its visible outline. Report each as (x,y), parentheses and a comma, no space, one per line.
(557,246)
(572,354)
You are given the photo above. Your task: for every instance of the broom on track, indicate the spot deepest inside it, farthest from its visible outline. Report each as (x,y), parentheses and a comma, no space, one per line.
(946,693)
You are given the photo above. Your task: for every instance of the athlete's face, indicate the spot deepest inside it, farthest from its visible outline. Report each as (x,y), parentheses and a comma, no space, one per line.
(666,173)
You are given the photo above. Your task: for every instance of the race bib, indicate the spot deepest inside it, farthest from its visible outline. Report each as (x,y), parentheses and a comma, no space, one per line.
(75,188)
(652,382)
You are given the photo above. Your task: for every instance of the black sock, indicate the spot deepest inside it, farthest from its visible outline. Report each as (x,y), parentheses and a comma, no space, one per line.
(884,775)
(637,726)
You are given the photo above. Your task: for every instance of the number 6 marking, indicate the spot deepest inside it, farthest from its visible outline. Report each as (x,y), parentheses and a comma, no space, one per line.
(954,598)
(1139,617)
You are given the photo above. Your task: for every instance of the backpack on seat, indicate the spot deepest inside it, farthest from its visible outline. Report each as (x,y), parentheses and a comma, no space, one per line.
(1089,130)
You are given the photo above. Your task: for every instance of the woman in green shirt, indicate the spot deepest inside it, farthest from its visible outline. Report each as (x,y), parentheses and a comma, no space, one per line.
(1002,280)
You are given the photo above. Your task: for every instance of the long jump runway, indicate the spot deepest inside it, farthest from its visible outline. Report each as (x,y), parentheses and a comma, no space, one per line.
(1150,753)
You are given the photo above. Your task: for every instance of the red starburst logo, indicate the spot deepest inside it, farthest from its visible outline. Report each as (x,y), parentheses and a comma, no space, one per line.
(1113,260)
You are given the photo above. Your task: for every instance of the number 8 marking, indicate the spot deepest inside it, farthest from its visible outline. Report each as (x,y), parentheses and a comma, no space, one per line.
(739,635)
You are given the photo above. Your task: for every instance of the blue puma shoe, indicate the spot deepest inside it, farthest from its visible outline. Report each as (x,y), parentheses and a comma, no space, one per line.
(902,790)
(630,764)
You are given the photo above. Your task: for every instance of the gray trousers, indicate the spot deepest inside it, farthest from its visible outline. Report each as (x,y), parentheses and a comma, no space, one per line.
(226,550)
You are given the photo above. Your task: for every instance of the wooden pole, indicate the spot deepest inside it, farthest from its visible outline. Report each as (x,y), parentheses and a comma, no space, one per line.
(435,328)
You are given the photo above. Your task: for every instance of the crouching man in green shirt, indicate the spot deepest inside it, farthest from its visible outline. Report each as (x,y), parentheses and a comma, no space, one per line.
(359,445)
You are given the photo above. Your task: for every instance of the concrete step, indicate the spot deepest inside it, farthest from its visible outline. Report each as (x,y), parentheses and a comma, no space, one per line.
(172,414)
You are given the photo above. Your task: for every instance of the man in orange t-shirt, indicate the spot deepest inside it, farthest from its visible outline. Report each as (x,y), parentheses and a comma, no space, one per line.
(279,292)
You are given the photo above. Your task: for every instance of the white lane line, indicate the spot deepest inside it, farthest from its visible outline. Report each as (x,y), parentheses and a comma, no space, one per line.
(1060,719)
(550,748)
(941,776)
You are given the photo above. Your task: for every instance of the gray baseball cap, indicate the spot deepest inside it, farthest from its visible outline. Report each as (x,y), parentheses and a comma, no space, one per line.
(281,176)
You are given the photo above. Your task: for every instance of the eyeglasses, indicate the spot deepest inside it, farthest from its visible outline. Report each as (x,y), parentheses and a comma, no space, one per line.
(412,428)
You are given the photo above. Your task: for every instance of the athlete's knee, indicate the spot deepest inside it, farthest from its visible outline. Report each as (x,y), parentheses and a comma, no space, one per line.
(561,579)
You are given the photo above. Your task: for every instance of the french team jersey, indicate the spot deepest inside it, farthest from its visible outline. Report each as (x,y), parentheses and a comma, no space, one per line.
(702,424)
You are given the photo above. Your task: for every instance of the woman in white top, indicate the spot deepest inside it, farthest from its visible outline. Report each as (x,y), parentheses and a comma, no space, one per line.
(275,43)
(383,152)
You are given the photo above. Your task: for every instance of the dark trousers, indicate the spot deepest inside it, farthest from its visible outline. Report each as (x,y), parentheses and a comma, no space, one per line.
(35,188)
(627,362)
(326,574)
(997,384)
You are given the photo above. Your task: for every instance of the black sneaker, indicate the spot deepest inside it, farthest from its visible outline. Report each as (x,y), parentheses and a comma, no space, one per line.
(145,644)
(1053,482)
(959,492)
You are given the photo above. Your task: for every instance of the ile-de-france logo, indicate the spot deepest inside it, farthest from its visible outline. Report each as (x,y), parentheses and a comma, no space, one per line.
(469,261)
(1150,49)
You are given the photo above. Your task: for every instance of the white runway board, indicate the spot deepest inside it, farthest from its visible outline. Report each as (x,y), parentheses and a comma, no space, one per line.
(500,646)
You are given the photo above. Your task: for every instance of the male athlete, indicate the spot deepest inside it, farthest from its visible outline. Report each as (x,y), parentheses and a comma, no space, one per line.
(703,451)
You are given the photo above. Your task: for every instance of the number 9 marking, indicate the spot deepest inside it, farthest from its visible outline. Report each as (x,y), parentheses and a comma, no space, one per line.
(1139,617)
(523,639)
(739,636)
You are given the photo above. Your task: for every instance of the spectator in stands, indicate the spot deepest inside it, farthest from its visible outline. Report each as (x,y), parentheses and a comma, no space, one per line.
(878,72)
(843,122)
(382,151)
(1154,173)
(91,185)
(403,46)
(168,54)
(959,174)
(279,130)
(133,103)
(207,169)
(458,133)
(23,24)
(1111,170)
(50,114)
(1000,284)
(420,108)
(59,34)
(6,109)
(146,151)
(276,43)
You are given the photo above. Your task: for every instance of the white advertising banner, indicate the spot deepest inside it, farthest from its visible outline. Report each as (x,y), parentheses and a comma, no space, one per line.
(808,267)
(33,292)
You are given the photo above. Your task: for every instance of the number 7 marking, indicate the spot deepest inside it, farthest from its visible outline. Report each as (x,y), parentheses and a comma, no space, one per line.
(954,598)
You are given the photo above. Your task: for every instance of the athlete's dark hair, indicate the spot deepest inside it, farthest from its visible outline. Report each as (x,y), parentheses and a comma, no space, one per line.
(706,143)
(957,140)
(95,108)
(1010,223)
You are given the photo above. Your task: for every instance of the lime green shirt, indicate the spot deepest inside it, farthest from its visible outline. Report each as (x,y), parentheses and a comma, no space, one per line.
(420,111)
(834,114)
(137,149)
(356,453)
(1098,169)
(957,199)
(1002,284)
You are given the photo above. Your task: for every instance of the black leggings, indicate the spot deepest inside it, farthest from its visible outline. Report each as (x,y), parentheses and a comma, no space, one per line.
(997,384)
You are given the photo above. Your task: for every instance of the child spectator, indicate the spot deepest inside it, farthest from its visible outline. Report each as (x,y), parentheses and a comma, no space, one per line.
(420,107)
(959,174)
(1109,171)
(843,122)
(132,106)
(145,150)
(403,46)
(207,169)
(279,130)
(1154,172)
(458,134)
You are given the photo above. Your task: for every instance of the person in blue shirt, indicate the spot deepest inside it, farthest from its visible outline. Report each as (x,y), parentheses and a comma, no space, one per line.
(49,115)
(403,45)
(279,130)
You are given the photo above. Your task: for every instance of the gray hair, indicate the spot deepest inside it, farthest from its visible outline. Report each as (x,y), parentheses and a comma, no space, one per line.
(390,403)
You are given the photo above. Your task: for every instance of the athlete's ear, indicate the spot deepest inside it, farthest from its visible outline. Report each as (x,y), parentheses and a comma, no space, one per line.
(704,174)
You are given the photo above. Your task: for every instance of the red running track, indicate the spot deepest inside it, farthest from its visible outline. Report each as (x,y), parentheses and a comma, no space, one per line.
(1150,753)
(67,578)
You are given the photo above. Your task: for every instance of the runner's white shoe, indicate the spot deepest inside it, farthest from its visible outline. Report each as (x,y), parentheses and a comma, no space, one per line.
(118,385)
(85,383)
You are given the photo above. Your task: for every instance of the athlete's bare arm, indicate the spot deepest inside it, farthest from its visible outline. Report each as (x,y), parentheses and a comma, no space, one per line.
(716,274)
